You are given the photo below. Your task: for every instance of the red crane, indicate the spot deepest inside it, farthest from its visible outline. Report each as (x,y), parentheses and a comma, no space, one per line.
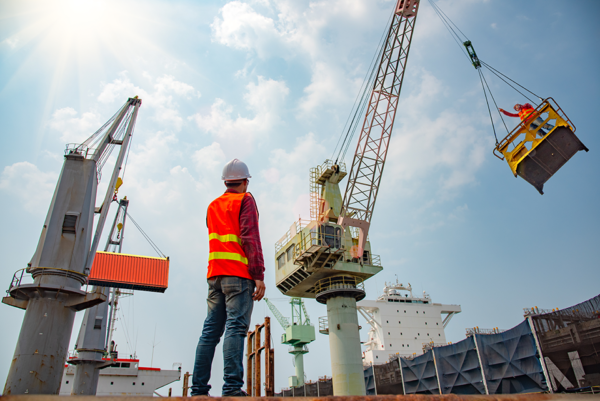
(371,150)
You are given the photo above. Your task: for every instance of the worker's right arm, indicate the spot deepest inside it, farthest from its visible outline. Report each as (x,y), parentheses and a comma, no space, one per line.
(507,113)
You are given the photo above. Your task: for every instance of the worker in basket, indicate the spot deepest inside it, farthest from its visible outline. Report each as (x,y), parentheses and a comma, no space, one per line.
(524,112)
(235,279)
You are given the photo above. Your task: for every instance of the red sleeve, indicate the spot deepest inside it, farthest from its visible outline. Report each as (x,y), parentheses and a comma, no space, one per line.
(509,114)
(251,238)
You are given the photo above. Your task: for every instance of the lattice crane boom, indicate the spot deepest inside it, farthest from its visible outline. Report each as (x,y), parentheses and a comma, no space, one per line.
(371,150)
(283,321)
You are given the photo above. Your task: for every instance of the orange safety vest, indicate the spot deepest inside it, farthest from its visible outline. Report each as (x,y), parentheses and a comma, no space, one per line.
(525,112)
(226,256)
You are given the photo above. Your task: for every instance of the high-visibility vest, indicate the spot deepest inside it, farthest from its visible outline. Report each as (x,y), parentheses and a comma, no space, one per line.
(525,112)
(226,256)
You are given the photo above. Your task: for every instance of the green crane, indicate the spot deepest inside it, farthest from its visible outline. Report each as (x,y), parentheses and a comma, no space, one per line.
(298,334)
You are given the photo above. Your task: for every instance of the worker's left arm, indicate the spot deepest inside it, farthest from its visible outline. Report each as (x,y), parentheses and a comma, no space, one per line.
(250,237)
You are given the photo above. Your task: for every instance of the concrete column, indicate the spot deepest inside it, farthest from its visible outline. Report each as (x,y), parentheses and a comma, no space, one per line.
(299,363)
(344,344)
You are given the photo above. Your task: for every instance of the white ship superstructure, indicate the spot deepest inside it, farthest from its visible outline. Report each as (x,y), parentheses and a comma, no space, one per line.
(125,377)
(402,324)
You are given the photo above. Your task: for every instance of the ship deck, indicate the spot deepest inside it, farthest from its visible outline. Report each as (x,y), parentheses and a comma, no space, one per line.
(418,397)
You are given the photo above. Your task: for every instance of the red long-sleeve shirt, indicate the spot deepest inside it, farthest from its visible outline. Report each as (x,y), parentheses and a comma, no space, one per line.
(250,237)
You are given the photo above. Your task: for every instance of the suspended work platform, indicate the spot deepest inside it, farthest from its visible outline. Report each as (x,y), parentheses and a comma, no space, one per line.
(539,146)
(119,270)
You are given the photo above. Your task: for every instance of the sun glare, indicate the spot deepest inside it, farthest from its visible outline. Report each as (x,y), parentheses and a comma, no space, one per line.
(80,16)
(83,25)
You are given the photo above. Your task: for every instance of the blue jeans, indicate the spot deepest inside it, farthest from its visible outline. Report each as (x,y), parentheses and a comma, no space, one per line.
(536,123)
(229,310)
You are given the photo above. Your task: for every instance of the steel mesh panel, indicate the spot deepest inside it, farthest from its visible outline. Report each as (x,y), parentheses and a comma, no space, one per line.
(510,361)
(419,375)
(458,368)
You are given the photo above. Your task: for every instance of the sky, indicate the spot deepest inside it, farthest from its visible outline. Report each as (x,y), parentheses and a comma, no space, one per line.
(272,82)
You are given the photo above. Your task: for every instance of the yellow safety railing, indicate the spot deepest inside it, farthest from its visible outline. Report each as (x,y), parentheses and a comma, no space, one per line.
(524,138)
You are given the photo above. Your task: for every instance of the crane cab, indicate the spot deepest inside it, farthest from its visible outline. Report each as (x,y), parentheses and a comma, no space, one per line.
(538,147)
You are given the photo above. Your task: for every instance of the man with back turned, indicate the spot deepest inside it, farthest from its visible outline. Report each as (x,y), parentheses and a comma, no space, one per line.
(235,279)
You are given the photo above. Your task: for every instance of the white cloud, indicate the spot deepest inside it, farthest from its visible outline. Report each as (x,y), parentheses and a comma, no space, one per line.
(449,147)
(243,28)
(290,171)
(329,86)
(209,159)
(296,31)
(265,98)
(26,182)
(160,98)
(74,129)
(11,42)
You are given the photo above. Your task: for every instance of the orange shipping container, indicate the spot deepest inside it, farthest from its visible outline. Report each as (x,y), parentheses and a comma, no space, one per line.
(130,271)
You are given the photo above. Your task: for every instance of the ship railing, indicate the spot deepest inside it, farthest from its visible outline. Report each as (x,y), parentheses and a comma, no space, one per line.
(320,238)
(17,279)
(291,348)
(367,259)
(431,345)
(339,283)
(323,325)
(287,237)
(537,311)
(79,149)
(476,330)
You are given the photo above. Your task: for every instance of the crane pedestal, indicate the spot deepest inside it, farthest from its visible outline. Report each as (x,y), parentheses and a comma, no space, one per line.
(341,293)
(298,353)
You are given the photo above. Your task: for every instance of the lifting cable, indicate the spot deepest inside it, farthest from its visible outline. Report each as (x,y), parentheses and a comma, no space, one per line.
(477,63)
(498,73)
(358,109)
(119,135)
(152,244)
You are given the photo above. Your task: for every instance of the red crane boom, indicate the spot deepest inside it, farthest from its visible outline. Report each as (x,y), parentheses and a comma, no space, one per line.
(372,147)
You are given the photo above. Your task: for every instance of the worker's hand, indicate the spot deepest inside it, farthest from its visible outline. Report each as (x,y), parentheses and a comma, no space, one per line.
(259,291)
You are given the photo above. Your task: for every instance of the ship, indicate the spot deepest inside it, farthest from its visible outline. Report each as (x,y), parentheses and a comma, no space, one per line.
(125,377)
(121,376)
(403,324)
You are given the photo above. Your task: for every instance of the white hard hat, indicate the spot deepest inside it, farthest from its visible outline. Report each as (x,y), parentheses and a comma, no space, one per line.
(235,170)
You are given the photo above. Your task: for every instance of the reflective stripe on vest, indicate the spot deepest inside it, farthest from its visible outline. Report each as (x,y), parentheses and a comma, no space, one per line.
(225,238)
(227,256)
(525,112)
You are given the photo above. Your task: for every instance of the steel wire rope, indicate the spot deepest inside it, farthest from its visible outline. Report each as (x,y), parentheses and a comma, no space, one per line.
(127,336)
(120,133)
(128,150)
(498,73)
(454,35)
(365,85)
(488,106)
(361,112)
(452,22)
(361,94)
(495,104)
(447,21)
(96,134)
(146,236)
